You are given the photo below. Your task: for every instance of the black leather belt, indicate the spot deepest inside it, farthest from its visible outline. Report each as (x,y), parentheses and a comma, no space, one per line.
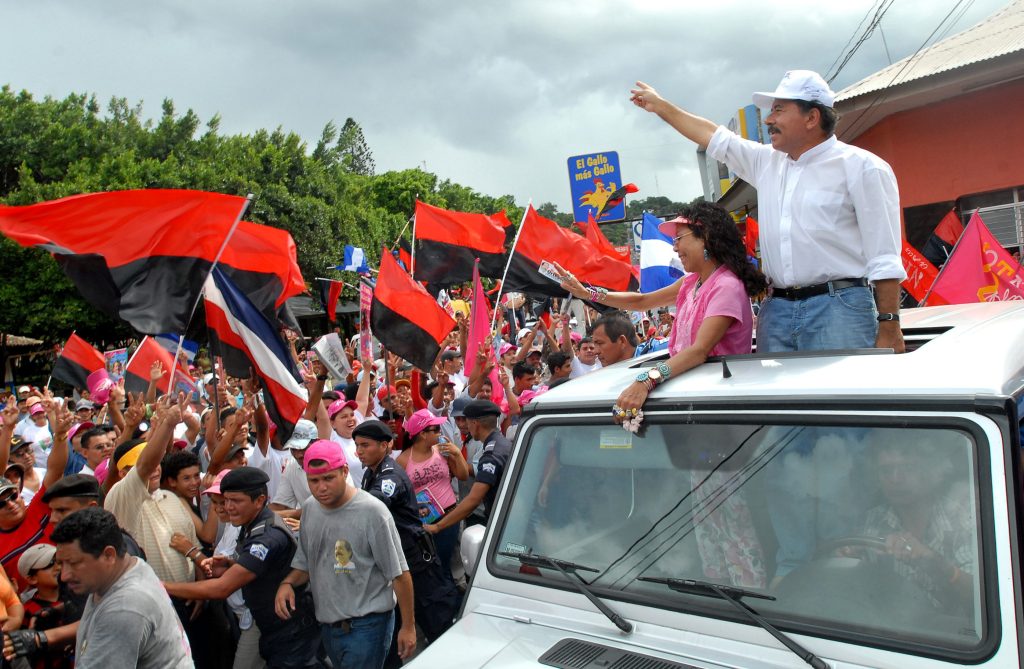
(803,292)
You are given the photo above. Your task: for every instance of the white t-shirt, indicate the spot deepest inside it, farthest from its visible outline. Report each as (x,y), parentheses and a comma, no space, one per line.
(272,464)
(355,468)
(42,441)
(579,369)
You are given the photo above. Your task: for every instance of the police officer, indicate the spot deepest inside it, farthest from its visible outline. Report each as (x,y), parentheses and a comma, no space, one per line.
(436,598)
(482,420)
(262,559)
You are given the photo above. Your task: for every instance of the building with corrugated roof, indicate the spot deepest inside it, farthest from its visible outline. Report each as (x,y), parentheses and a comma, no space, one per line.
(948,120)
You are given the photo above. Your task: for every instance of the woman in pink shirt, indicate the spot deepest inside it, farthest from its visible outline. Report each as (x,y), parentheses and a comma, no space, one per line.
(431,464)
(713,314)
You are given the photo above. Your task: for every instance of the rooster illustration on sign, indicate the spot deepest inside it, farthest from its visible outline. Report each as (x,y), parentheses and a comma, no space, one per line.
(605,199)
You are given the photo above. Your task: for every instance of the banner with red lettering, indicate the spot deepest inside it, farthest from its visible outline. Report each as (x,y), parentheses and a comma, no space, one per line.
(365,336)
(979,270)
(921,273)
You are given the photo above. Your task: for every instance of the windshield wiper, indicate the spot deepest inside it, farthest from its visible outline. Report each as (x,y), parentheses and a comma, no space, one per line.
(564,567)
(733,596)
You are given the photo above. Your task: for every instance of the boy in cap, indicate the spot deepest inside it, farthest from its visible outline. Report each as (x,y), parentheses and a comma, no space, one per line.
(482,421)
(293,490)
(350,552)
(44,610)
(261,559)
(436,599)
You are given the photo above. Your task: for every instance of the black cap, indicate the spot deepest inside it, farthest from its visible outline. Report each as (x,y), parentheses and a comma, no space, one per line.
(18,442)
(481,408)
(74,485)
(243,479)
(373,429)
(459,406)
(233,451)
(450,355)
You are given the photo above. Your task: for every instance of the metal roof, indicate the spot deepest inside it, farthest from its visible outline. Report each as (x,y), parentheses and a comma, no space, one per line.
(998,35)
(981,352)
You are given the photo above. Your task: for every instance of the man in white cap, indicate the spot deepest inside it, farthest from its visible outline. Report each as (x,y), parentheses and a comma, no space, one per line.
(828,213)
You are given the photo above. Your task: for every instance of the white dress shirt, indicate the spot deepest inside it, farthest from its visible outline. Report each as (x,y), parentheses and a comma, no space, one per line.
(833,213)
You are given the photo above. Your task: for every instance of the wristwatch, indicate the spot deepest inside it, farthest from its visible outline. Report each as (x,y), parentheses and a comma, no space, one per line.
(888,317)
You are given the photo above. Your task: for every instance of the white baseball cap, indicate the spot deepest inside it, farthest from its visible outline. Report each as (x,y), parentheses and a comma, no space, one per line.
(798,85)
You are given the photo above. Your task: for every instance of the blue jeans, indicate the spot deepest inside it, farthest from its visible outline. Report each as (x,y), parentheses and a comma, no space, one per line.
(365,645)
(840,319)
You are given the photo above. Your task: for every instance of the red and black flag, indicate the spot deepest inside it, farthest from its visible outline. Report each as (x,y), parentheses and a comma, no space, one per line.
(142,255)
(542,239)
(136,377)
(330,293)
(78,359)
(405,318)
(449,242)
(403,254)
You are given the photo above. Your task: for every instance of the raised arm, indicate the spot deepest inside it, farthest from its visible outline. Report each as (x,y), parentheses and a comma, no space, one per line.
(662,297)
(60,423)
(156,372)
(160,435)
(695,128)
(10,418)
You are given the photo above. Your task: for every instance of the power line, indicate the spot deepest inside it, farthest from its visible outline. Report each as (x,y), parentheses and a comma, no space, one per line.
(875,22)
(852,36)
(884,93)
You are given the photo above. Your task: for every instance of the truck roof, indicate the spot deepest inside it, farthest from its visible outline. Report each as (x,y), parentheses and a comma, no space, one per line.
(956,350)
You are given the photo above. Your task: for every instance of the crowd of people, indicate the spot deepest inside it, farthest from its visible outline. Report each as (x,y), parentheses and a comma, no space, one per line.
(182,530)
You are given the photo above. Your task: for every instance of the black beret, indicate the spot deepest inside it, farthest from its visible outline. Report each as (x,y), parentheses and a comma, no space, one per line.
(73,485)
(373,429)
(481,408)
(243,479)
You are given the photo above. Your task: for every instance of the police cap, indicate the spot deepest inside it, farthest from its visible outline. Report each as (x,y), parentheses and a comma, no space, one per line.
(373,429)
(481,408)
(243,479)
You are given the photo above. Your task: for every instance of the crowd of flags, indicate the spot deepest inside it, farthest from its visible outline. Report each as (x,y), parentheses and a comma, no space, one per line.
(148,257)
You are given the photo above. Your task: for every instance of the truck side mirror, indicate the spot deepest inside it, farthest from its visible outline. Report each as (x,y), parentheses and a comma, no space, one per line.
(472,542)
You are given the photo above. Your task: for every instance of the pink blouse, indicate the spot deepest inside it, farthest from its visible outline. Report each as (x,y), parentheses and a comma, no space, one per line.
(723,294)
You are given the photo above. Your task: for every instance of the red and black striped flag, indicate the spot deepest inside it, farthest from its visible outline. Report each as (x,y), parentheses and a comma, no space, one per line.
(78,359)
(330,293)
(449,242)
(136,377)
(142,255)
(542,239)
(405,318)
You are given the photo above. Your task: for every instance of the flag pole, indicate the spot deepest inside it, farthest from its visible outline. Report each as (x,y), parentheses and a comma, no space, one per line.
(508,263)
(942,269)
(412,251)
(216,259)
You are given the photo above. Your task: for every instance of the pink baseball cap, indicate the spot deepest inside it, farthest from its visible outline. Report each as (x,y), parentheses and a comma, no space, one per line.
(80,427)
(529,394)
(36,408)
(415,423)
(326,450)
(575,336)
(506,347)
(670,228)
(338,405)
(215,488)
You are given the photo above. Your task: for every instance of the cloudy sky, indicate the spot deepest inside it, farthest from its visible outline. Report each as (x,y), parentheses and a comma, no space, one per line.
(492,95)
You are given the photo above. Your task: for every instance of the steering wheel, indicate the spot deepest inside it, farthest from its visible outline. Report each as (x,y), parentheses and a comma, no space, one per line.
(862,591)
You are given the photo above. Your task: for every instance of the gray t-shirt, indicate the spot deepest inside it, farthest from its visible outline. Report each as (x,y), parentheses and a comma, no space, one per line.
(352,554)
(134,625)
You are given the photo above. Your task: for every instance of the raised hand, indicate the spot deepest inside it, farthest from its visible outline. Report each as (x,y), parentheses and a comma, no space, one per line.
(156,371)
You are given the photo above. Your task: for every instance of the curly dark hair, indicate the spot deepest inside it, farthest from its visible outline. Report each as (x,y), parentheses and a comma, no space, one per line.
(716,228)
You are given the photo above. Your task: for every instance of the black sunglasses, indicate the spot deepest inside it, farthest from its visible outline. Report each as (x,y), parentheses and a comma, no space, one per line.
(9,499)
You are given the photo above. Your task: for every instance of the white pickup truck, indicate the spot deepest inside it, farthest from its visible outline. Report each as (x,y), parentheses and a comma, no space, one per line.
(838,509)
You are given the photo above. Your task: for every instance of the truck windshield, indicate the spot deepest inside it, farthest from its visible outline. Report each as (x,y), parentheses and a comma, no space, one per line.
(871,530)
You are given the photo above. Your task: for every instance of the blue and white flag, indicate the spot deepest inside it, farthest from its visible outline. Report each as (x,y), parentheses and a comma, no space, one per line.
(355,260)
(659,264)
(189,348)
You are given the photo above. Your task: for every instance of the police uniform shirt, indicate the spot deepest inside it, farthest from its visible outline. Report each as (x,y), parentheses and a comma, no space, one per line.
(493,459)
(266,550)
(390,484)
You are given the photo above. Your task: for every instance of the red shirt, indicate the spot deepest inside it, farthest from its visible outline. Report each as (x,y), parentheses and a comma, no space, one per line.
(34,528)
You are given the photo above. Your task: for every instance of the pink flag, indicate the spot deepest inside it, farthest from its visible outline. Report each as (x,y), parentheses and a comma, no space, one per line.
(979,270)
(479,322)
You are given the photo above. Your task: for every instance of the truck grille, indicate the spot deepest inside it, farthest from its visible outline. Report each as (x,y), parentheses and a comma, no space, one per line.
(577,654)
